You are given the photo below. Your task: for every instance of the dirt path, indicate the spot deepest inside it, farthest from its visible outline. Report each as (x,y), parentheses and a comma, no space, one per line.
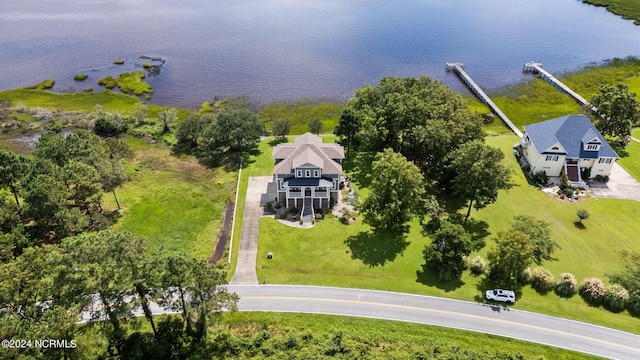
(221,244)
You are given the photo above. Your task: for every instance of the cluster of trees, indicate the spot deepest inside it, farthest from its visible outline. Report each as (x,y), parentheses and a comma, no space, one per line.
(431,143)
(103,277)
(226,131)
(618,111)
(57,192)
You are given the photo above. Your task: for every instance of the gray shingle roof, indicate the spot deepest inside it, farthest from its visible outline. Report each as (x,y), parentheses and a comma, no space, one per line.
(570,131)
(307,148)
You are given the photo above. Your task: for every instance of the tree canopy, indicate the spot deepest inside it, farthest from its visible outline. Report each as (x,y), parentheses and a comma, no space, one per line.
(396,191)
(418,118)
(618,110)
(511,255)
(447,253)
(479,173)
(540,235)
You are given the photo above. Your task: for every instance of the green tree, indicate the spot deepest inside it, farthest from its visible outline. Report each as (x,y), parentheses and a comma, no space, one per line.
(84,182)
(396,192)
(419,118)
(479,174)
(234,130)
(618,110)
(348,129)
(538,231)
(209,295)
(100,266)
(315,126)
(176,279)
(191,129)
(448,251)
(582,214)
(281,127)
(108,123)
(167,116)
(13,168)
(511,255)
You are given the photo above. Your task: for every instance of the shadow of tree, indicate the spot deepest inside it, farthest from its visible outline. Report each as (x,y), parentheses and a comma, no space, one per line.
(427,276)
(359,169)
(230,160)
(376,248)
(579,225)
(478,230)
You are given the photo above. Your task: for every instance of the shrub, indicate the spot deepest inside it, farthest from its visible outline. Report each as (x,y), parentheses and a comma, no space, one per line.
(633,305)
(592,291)
(582,214)
(541,178)
(616,298)
(566,285)
(542,280)
(80,77)
(602,178)
(526,276)
(477,265)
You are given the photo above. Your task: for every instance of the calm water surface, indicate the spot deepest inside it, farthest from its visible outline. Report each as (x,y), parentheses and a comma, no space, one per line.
(285,49)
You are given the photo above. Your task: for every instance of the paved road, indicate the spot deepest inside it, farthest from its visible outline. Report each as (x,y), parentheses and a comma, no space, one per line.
(485,318)
(246,268)
(621,185)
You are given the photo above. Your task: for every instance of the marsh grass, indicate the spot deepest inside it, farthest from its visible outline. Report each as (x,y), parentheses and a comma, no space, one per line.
(300,112)
(128,83)
(118,62)
(80,77)
(385,339)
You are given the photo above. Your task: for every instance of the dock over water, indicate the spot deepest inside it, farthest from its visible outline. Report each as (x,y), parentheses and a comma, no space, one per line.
(536,67)
(459,69)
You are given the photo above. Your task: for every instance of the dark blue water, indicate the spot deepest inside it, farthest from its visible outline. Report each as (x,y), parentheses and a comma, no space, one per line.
(290,49)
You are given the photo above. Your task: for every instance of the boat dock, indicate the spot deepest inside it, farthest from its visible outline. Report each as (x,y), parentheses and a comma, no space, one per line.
(536,67)
(459,69)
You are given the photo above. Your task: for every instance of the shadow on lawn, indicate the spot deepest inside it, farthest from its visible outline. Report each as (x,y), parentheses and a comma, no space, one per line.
(376,248)
(230,160)
(428,277)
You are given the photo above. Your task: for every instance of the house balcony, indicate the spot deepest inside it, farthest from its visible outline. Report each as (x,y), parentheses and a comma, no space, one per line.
(295,194)
(322,194)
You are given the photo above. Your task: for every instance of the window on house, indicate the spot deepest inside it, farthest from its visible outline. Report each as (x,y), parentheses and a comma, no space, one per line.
(316,173)
(298,173)
(592,147)
(604,160)
(281,184)
(552,157)
(307,173)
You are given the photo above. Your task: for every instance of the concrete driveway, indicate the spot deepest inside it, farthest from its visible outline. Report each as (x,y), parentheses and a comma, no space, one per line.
(257,192)
(621,185)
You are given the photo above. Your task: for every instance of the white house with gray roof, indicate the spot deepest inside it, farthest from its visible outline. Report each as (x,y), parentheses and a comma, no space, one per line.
(307,172)
(567,144)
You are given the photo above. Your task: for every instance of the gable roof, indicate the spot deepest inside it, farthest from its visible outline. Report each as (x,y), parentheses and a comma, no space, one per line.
(307,149)
(570,132)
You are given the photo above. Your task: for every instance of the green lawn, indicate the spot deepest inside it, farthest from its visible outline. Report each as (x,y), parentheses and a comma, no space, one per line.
(173,201)
(349,255)
(631,160)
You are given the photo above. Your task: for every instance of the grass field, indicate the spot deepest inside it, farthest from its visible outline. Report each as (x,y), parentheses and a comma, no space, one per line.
(631,159)
(173,201)
(352,256)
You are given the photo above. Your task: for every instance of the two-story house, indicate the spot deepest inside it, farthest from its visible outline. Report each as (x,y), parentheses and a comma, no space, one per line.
(567,144)
(307,172)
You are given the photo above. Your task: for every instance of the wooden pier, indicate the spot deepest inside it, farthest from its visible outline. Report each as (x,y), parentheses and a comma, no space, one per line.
(459,69)
(536,67)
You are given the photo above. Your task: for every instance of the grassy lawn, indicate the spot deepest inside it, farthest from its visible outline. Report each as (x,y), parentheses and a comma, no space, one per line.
(350,255)
(631,159)
(173,201)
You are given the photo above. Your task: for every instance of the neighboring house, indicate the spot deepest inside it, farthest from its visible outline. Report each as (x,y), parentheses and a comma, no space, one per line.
(568,144)
(307,172)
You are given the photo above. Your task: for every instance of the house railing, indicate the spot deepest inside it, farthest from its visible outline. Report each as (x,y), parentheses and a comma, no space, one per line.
(297,194)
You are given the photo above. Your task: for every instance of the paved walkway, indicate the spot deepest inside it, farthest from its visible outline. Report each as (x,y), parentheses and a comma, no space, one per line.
(621,185)
(257,193)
